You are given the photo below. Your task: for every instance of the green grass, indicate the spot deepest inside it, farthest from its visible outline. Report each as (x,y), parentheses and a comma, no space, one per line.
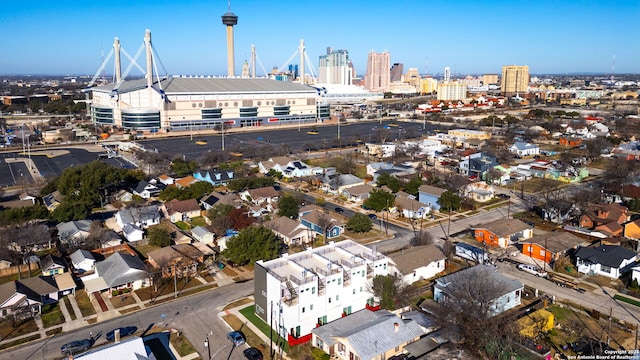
(198,221)
(182,225)
(52,317)
(249,314)
(181,344)
(85,305)
(67,302)
(627,300)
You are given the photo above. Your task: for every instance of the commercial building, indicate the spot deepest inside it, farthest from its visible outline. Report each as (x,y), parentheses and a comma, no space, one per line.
(335,68)
(378,77)
(452,91)
(296,293)
(515,80)
(396,72)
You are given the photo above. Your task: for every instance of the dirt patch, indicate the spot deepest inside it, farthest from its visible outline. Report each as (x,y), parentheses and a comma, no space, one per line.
(238,303)
(122,300)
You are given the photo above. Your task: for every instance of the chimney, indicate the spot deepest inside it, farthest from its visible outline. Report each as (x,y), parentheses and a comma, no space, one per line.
(396,327)
(116,336)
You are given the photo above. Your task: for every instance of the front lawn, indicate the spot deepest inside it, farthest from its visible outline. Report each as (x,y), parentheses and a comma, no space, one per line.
(85,305)
(51,315)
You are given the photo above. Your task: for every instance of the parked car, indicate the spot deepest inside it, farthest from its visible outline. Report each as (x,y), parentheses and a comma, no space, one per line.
(124,331)
(252,354)
(339,210)
(76,347)
(532,269)
(372,216)
(503,196)
(236,338)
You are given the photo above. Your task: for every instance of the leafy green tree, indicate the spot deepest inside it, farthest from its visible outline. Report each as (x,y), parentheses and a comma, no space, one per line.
(194,191)
(389,180)
(388,289)
(251,244)
(413,185)
(71,210)
(183,168)
(159,236)
(379,200)
(20,215)
(449,201)
(288,206)
(359,223)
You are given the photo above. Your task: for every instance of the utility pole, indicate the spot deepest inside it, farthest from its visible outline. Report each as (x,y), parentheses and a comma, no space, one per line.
(175,282)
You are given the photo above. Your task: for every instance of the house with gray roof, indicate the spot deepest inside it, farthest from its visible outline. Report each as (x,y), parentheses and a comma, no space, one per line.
(73,232)
(318,221)
(132,233)
(26,296)
(52,265)
(289,168)
(337,183)
(202,234)
(291,231)
(366,334)
(82,260)
(522,149)
(215,177)
(606,260)
(214,198)
(447,288)
(418,263)
(142,217)
(146,190)
(118,271)
(430,195)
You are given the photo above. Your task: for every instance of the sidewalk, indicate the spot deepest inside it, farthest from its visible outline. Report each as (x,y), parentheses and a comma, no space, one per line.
(112,312)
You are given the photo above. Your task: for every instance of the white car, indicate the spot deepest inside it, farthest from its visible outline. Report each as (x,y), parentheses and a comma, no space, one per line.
(532,269)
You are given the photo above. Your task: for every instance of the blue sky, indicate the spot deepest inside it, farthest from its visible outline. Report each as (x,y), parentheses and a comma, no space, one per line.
(470,36)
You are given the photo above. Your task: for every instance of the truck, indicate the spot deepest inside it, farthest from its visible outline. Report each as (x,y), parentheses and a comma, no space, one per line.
(473,253)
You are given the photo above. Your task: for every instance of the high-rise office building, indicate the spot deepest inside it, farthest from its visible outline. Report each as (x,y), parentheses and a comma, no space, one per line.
(334,67)
(396,72)
(515,80)
(377,77)
(447,74)
(489,79)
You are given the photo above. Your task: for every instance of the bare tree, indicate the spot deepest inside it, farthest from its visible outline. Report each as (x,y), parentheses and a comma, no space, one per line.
(422,237)
(466,311)
(98,235)
(324,222)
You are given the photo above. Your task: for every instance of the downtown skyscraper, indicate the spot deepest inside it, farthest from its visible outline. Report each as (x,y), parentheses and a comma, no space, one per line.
(335,68)
(378,76)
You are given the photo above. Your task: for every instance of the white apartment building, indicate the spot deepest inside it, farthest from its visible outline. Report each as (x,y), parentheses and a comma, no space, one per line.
(335,68)
(296,293)
(452,91)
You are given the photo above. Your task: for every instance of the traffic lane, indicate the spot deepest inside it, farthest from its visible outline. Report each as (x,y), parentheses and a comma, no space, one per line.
(596,299)
(195,316)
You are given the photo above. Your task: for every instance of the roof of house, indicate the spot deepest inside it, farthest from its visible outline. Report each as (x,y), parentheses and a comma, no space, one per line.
(281,160)
(409,204)
(370,333)
(480,271)
(38,285)
(121,268)
(144,185)
(505,227)
(519,145)
(557,241)
(631,191)
(282,225)
(200,231)
(7,290)
(216,198)
(129,348)
(164,255)
(608,255)
(314,217)
(263,192)
(139,214)
(130,229)
(431,190)
(65,281)
(49,262)
(188,250)
(416,257)
(359,189)
(185,181)
(181,206)
(70,228)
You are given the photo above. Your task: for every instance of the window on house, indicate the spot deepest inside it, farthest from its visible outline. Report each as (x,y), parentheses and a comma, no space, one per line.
(313,290)
(605,268)
(337,297)
(354,291)
(341,347)
(329,300)
(303,309)
(339,281)
(311,307)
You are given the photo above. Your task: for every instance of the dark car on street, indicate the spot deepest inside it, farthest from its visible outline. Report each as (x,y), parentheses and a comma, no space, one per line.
(252,354)
(339,210)
(76,347)
(124,331)
(372,216)
(236,338)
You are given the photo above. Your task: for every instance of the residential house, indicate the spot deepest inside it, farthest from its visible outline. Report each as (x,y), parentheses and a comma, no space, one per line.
(172,262)
(479,191)
(202,235)
(73,232)
(291,231)
(215,177)
(337,183)
(320,222)
(410,207)
(351,337)
(288,167)
(123,196)
(210,200)
(418,263)
(25,297)
(166,179)
(381,151)
(52,201)
(522,149)
(82,260)
(130,348)
(430,195)
(65,283)
(630,192)
(185,181)
(477,164)
(570,141)
(358,193)
(503,232)
(118,271)
(447,287)
(605,260)
(632,230)
(52,265)
(141,217)
(110,239)
(38,237)
(316,286)
(374,169)
(181,210)
(552,246)
(605,218)
(132,233)
(260,196)
(146,190)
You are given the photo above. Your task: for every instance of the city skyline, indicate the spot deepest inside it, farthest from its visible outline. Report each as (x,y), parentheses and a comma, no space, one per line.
(189,37)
